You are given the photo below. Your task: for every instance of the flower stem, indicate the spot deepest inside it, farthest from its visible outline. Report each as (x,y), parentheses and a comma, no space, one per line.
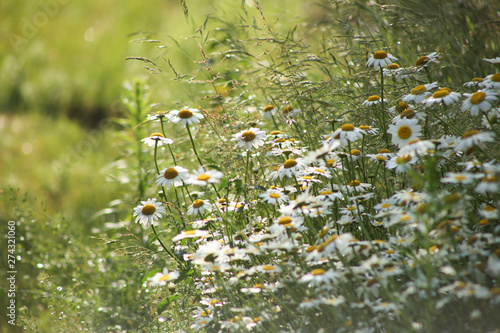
(194,146)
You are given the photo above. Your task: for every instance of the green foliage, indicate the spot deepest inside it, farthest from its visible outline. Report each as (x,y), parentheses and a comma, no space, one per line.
(354,245)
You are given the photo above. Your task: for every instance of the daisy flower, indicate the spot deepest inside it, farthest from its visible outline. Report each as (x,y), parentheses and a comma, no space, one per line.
(269,111)
(274,197)
(185,116)
(190,234)
(368,129)
(172,176)
(319,276)
(425,60)
(475,82)
(409,114)
(161,279)
(443,95)
(382,156)
(157,116)
(289,111)
(400,163)
(492,81)
(491,118)
(199,207)
(357,186)
(157,139)
(289,169)
(488,212)
(380,59)
(418,147)
(420,93)
(473,138)
(203,178)
(404,131)
(479,101)
(346,132)
(372,100)
(460,177)
(149,211)
(249,138)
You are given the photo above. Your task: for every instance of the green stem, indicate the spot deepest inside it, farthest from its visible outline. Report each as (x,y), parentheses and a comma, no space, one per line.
(194,146)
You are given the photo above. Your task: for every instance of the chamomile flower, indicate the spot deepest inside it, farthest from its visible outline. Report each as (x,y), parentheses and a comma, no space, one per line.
(289,112)
(161,279)
(203,178)
(149,211)
(409,114)
(290,168)
(269,111)
(479,101)
(460,178)
(199,206)
(249,138)
(418,147)
(372,100)
(172,176)
(473,138)
(186,116)
(488,212)
(190,234)
(420,93)
(490,183)
(443,95)
(157,139)
(425,60)
(474,83)
(382,156)
(319,276)
(274,197)
(492,81)
(404,131)
(345,133)
(401,163)
(380,59)
(157,116)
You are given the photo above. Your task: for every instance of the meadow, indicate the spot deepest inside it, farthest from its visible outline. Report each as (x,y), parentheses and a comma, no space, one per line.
(222,166)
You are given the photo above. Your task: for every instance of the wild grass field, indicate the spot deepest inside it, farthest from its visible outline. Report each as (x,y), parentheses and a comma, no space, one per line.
(233,166)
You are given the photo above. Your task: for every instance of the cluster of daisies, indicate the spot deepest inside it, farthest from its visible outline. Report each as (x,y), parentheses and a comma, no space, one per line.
(376,228)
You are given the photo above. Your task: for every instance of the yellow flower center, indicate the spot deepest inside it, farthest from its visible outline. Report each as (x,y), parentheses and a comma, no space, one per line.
(404,132)
(164,277)
(386,205)
(190,232)
(351,208)
(442,92)
(284,220)
(403,159)
(460,177)
(203,177)
(330,162)
(268,108)
(148,209)
(409,114)
(364,127)
(477,97)
(422,60)
(355,152)
(489,208)
(392,66)
(275,133)
(307,178)
(286,110)
(170,173)
(418,90)
(491,178)
(222,201)
(402,105)
(290,163)
(198,203)
(325,193)
(477,79)
(381,158)
(258,285)
(185,114)
(156,134)
(384,151)
(470,133)
(380,55)
(274,195)
(318,271)
(354,183)
(248,136)
(347,127)
(268,268)
(373,98)
(495,77)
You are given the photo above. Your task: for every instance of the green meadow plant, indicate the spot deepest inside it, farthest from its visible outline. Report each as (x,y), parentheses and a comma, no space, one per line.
(295,189)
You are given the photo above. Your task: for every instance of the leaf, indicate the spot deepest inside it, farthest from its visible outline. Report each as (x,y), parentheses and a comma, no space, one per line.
(150,274)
